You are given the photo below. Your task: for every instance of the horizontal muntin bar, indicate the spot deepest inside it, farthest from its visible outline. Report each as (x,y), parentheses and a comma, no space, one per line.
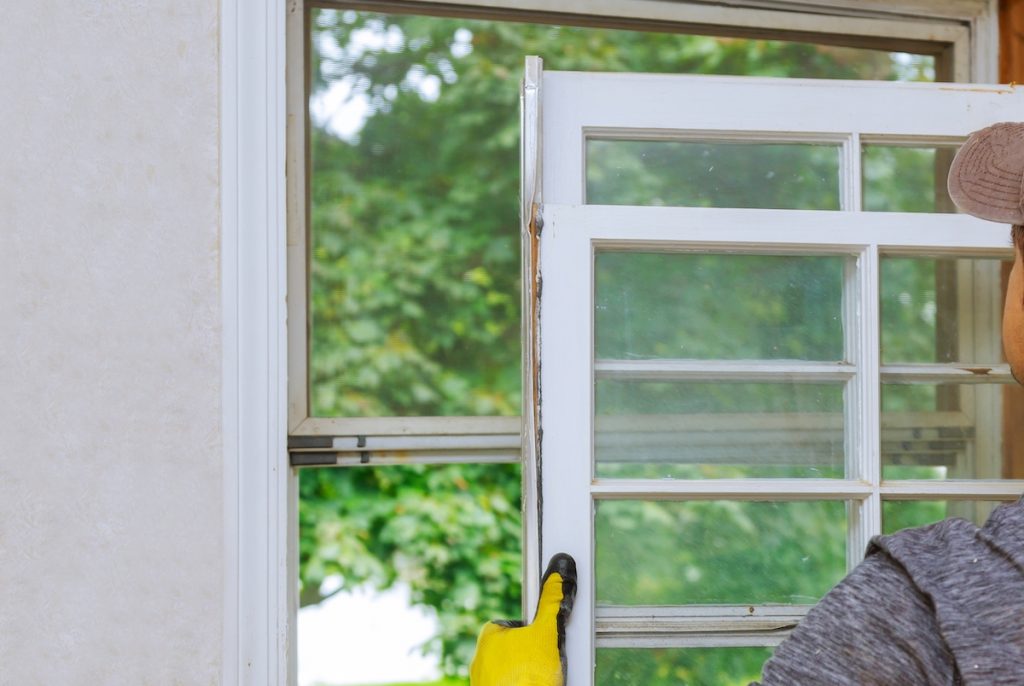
(381,459)
(788,232)
(719,370)
(695,625)
(422,443)
(952,489)
(951,373)
(732,640)
(363,443)
(790,370)
(803,489)
(729,489)
(404,426)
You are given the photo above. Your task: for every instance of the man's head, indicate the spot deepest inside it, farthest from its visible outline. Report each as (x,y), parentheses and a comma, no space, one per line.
(987,181)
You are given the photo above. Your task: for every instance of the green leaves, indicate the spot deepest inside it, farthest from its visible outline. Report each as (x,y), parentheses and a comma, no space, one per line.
(451,532)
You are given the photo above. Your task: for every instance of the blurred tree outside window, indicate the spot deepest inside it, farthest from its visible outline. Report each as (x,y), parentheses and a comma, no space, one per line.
(414,303)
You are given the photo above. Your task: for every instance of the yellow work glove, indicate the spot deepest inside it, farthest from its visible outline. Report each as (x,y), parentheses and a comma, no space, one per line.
(511,654)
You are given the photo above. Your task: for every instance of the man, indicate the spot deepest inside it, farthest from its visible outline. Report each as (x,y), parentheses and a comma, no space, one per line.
(942,604)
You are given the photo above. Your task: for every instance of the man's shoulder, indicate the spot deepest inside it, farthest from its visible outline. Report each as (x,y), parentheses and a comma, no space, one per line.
(955,539)
(974,579)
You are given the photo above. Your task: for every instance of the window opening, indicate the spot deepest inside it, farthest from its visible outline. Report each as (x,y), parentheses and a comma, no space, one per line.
(413,271)
(413,236)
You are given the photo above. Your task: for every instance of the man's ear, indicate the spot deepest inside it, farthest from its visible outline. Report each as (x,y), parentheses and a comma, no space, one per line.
(1017,233)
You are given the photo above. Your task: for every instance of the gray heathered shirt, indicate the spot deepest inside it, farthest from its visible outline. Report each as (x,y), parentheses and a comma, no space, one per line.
(942,604)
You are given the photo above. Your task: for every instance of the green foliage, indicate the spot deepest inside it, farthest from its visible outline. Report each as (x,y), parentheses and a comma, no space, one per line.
(670,306)
(451,532)
(718,552)
(680,667)
(415,311)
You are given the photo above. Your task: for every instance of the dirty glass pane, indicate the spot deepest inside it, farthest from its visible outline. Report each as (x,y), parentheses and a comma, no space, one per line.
(718,551)
(414,182)
(903,514)
(715,429)
(945,431)
(679,666)
(712,174)
(929,307)
(906,179)
(714,306)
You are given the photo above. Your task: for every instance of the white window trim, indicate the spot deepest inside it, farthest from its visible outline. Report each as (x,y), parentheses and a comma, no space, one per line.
(260,508)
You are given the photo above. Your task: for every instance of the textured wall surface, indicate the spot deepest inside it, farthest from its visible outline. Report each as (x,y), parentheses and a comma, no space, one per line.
(110,444)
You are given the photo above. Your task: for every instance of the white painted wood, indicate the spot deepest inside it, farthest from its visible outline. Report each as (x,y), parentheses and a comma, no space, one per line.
(529,228)
(850,174)
(696,370)
(405,426)
(635,102)
(951,490)
(954,9)
(872,27)
(789,232)
(296,170)
(577,106)
(695,625)
(406,458)
(950,373)
(230,390)
(865,518)
(960,10)
(729,489)
(566,407)
(732,639)
(422,443)
(259,488)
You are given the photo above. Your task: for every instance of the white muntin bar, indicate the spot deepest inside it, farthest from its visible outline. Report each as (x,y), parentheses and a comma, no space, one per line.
(865,517)
(789,232)
(952,373)
(722,370)
(952,490)
(730,489)
(683,626)
(508,442)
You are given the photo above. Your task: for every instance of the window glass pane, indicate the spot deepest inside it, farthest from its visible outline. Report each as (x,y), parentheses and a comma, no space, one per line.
(946,431)
(414,257)
(397,559)
(905,179)
(903,514)
(713,174)
(718,552)
(694,430)
(713,306)
(935,310)
(675,666)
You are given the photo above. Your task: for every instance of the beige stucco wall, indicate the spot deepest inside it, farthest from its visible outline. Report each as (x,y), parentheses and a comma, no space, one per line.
(111,565)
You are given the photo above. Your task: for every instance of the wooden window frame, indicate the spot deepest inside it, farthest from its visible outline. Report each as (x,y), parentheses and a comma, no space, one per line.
(573,108)
(262,181)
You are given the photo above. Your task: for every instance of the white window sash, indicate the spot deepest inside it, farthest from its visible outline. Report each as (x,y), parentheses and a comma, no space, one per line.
(574,107)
